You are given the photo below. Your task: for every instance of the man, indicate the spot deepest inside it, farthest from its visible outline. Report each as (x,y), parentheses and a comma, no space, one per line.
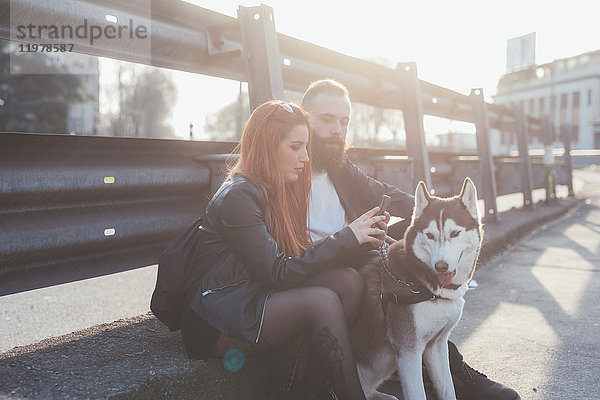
(341,192)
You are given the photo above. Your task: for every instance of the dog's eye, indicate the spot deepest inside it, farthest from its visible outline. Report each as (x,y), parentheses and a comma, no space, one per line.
(430,236)
(454,234)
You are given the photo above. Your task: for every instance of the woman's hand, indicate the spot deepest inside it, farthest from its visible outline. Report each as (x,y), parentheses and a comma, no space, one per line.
(367,227)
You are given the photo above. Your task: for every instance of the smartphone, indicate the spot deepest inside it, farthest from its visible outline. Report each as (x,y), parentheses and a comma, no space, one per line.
(384,203)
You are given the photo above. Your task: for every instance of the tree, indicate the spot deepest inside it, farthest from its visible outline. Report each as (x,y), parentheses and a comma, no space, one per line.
(35,102)
(369,122)
(146,97)
(227,123)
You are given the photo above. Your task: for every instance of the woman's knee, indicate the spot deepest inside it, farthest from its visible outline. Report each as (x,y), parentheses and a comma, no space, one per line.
(349,284)
(354,280)
(325,301)
(224,344)
(305,305)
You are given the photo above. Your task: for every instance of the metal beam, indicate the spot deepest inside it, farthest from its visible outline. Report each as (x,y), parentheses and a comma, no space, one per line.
(261,54)
(412,111)
(523,144)
(547,136)
(566,137)
(105,203)
(488,176)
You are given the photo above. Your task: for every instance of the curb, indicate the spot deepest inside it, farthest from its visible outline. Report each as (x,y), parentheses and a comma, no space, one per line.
(515,224)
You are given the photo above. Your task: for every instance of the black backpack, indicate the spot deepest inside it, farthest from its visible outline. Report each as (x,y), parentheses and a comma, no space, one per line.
(175,260)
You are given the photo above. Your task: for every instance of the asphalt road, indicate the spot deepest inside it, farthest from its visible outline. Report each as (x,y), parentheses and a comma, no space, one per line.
(31,316)
(534,322)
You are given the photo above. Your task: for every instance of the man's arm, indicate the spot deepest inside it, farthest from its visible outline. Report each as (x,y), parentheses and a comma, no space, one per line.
(370,191)
(359,192)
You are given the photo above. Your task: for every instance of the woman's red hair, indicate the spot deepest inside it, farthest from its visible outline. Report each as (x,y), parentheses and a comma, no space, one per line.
(287,203)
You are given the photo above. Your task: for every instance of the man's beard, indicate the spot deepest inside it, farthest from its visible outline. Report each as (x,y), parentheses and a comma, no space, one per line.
(326,157)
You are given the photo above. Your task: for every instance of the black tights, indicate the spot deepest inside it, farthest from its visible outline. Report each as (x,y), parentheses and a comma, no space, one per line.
(325,307)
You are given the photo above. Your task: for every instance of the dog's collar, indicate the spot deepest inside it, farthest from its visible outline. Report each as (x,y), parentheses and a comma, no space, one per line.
(416,295)
(385,263)
(414,298)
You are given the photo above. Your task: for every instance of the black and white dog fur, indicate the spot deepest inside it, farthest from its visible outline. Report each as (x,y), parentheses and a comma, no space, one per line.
(437,256)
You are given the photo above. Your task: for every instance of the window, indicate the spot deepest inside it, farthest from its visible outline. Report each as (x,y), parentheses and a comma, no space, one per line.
(589,100)
(575,99)
(541,105)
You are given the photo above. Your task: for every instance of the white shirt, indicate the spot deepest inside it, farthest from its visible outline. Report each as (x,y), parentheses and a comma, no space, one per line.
(326,215)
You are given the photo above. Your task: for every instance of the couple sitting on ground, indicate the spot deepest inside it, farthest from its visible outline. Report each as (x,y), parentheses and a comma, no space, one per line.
(272,275)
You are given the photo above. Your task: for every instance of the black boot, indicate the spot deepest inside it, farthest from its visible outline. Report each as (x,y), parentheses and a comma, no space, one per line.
(295,395)
(299,393)
(471,384)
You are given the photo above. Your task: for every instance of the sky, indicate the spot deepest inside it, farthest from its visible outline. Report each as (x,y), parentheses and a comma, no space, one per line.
(458,44)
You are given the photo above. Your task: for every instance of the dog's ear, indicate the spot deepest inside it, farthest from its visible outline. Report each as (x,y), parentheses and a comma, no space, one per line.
(421,200)
(468,196)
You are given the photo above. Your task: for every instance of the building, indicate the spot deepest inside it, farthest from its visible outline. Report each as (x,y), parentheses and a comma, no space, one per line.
(567,90)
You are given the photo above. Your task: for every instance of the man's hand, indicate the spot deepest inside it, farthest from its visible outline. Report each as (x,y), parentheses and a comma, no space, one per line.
(384,224)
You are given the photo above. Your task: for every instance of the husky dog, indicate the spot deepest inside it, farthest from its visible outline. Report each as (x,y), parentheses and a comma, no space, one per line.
(414,296)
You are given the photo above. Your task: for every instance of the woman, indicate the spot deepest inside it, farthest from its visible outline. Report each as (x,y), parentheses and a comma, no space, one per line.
(266,283)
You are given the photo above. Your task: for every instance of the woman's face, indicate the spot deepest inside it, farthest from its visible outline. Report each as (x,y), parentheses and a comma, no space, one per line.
(291,153)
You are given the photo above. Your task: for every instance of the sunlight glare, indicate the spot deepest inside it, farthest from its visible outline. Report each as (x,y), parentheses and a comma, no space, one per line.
(584,236)
(514,328)
(565,275)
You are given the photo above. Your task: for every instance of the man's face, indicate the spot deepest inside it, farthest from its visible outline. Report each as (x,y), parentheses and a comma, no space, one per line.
(330,115)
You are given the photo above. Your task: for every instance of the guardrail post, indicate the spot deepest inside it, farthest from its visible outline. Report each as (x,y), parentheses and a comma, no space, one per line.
(217,164)
(565,134)
(261,54)
(412,112)
(550,173)
(488,190)
(523,143)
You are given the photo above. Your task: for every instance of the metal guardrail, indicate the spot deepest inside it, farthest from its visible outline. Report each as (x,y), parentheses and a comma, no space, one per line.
(96,201)
(449,170)
(114,203)
(190,38)
(76,201)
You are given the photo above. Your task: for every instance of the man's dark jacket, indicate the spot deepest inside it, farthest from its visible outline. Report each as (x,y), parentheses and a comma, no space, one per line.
(359,193)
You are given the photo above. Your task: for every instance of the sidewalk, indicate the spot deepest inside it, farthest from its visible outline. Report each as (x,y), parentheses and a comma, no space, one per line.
(534,321)
(525,326)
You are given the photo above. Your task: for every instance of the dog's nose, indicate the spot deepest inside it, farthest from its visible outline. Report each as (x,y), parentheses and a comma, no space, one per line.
(441,266)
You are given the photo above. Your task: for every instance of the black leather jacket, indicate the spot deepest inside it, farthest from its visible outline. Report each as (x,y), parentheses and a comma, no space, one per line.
(246,264)
(359,193)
